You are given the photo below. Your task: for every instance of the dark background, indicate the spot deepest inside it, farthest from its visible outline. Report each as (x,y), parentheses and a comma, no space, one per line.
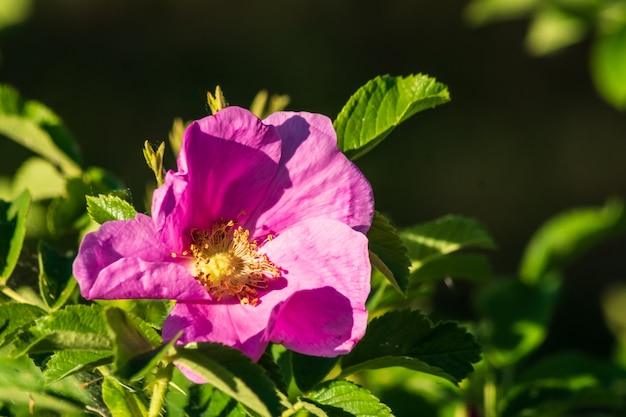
(523,138)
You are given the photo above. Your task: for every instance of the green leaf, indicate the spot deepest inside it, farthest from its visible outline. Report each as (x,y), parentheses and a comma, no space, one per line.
(274,371)
(343,398)
(448,234)
(314,409)
(76,327)
(388,253)
(200,400)
(128,340)
(281,356)
(121,400)
(36,127)
(67,213)
(608,66)
(41,178)
(14,317)
(12,233)
(462,266)
(479,12)
(308,371)
(55,276)
(218,404)
(234,374)
(22,385)
(566,384)
(408,339)
(381,105)
(67,362)
(552,29)
(14,12)
(515,317)
(565,237)
(109,207)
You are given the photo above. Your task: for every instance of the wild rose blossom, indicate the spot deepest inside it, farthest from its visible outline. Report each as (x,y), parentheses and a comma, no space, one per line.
(259,237)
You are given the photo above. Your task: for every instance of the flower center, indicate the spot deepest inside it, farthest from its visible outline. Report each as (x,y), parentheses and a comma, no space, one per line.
(228,264)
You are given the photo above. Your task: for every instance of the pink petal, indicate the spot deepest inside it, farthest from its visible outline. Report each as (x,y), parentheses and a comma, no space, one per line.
(236,325)
(124,259)
(170,213)
(322,311)
(318,308)
(225,165)
(314,180)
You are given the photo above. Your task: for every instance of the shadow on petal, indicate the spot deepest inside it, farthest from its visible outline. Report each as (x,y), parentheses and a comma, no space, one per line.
(315,322)
(293,131)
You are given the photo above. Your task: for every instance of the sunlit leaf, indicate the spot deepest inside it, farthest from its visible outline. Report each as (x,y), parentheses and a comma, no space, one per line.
(67,362)
(12,233)
(22,386)
(380,106)
(16,316)
(388,253)
(109,207)
(76,327)
(14,11)
(448,234)
(482,11)
(343,399)
(566,236)
(41,178)
(515,319)
(552,29)
(566,384)
(37,128)
(471,267)
(408,339)
(608,66)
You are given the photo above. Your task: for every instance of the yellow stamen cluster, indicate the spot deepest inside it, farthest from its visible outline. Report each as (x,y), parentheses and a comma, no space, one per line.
(228,264)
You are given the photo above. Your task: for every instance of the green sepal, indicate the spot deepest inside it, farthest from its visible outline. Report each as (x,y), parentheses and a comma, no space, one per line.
(154,159)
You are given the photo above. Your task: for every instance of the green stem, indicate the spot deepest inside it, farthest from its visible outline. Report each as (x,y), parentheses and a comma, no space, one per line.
(159,389)
(15,295)
(490,396)
(374,300)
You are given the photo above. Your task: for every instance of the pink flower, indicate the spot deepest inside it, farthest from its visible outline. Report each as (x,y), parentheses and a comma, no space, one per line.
(259,237)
